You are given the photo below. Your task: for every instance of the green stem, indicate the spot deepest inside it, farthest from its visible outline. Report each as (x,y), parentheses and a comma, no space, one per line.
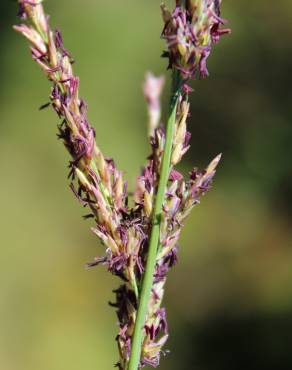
(155,232)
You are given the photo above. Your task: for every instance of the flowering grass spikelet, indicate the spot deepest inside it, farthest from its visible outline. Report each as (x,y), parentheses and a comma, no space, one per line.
(190,31)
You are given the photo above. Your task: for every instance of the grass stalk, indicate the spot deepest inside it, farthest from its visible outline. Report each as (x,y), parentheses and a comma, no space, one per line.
(155,231)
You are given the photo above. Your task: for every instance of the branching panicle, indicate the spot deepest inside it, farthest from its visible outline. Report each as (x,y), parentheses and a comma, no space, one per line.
(140,242)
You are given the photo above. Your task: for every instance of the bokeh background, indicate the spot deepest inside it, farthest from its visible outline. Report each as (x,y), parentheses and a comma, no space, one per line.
(230,298)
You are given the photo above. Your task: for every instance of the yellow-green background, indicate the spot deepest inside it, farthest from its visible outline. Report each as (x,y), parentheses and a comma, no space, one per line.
(229,300)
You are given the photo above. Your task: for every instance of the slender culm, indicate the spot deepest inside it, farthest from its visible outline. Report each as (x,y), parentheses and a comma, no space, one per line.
(140,241)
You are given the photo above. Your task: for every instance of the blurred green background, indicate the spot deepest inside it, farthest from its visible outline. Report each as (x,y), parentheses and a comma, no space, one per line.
(229,300)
